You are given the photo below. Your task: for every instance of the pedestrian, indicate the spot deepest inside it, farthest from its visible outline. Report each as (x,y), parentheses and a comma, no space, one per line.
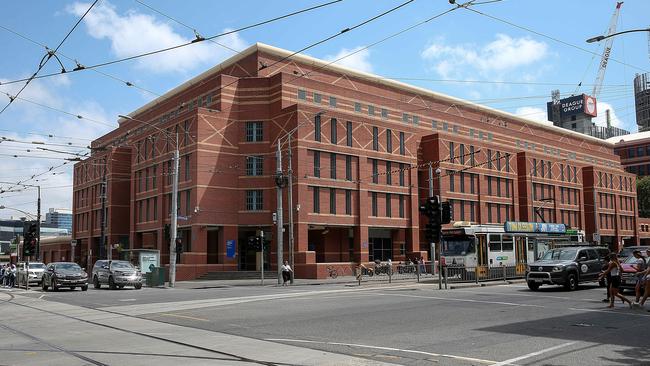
(2,275)
(608,278)
(639,266)
(423,268)
(615,270)
(286,273)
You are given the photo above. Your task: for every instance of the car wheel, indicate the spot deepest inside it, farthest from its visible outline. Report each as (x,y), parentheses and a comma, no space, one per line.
(54,288)
(571,282)
(84,288)
(96,283)
(534,286)
(120,286)
(138,286)
(43,285)
(111,283)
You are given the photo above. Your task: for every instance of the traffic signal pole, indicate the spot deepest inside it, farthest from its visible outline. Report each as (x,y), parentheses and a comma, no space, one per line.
(174,218)
(279,181)
(431,243)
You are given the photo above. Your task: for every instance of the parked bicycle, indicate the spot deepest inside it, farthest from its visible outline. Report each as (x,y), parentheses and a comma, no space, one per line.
(332,272)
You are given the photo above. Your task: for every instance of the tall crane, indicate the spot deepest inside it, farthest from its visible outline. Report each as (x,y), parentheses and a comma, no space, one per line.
(606,52)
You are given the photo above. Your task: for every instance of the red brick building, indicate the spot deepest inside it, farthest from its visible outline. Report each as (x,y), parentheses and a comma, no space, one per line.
(358,171)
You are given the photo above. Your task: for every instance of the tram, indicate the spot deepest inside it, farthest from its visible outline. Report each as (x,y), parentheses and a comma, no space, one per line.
(514,244)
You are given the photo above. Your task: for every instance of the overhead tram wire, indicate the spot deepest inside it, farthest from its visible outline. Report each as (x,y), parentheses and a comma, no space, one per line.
(184,44)
(197,34)
(105,74)
(48,57)
(551,38)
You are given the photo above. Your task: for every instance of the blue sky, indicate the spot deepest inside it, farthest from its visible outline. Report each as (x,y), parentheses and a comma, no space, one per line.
(517,68)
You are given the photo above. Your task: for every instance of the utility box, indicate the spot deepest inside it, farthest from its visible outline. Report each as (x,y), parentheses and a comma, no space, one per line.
(157,276)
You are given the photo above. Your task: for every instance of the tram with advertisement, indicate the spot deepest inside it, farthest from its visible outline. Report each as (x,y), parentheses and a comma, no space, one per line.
(477,248)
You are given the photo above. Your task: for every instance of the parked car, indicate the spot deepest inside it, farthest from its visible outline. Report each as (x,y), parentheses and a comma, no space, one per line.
(627,251)
(116,274)
(629,275)
(568,266)
(36,270)
(64,274)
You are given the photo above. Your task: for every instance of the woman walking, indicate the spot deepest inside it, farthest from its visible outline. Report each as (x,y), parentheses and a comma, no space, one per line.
(615,270)
(286,273)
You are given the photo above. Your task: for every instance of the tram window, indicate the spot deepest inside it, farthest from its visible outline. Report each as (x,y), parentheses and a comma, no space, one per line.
(495,243)
(506,244)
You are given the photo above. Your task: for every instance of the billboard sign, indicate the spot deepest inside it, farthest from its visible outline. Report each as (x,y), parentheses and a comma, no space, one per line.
(534,227)
(582,104)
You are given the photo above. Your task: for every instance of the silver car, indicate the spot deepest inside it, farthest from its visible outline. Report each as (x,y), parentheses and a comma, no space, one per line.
(116,274)
(35,272)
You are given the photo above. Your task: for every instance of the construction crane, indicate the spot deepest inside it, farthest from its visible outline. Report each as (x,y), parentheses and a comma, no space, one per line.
(606,52)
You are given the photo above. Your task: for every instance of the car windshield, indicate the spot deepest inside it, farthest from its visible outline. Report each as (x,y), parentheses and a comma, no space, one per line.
(36,266)
(122,265)
(457,246)
(68,267)
(560,254)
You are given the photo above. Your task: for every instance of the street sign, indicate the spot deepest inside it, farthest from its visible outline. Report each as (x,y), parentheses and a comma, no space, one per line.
(73,242)
(185,218)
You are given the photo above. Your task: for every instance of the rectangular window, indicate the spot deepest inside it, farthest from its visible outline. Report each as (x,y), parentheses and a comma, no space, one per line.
(507,160)
(472,158)
(405,118)
(534,167)
(140,181)
(187,167)
(452,177)
(402,149)
(389,176)
(254,132)
(348,133)
(471,211)
(333,201)
(153,177)
(575,175)
(508,182)
(461,153)
(348,167)
(317,98)
(153,146)
(333,102)
(389,141)
(253,200)
(374,204)
(155,208)
(401,206)
(348,202)
(499,160)
(401,175)
(543,166)
(472,178)
(188,202)
(375,171)
(371,110)
(375,138)
(384,113)
(317,125)
(254,165)
(462,183)
(317,164)
(498,186)
(388,208)
(333,166)
(489,185)
(489,158)
(302,95)
(146,148)
(451,152)
(333,128)
(146,179)
(357,107)
(316,199)
(548,169)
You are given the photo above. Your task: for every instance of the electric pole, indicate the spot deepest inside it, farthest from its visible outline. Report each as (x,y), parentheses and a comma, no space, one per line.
(102,216)
(290,202)
(279,181)
(174,219)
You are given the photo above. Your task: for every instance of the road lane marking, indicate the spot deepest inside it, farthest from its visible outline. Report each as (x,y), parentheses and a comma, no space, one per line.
(466,300)
(128,300)
(184,317)
(533,354)
(470,359)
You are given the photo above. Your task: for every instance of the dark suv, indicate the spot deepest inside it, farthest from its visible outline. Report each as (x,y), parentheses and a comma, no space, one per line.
(116,274)
(567,266)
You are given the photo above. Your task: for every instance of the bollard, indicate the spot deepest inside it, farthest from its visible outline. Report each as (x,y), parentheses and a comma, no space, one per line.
(446,275)
(390,275)
(417,271)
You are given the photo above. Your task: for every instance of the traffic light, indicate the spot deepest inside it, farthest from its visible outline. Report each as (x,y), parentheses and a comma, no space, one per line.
(29,240)
(447,213)
(431,208)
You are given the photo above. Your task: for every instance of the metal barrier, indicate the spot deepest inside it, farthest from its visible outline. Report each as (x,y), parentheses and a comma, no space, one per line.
(477,274)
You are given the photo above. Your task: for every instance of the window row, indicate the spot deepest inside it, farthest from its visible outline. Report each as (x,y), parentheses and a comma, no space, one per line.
(201,101)
(626,223)
(90,170)
(464,210)
(338,199)
(569,196)
(148,147)
(462,182)
(607,221)
(335,161)
(641,170)
(389,169)
(146,179)
(499,187)
(147,209)
(498,213)
(570,218)
(606,200)
(497,160)
(627,203)
(542,192)
(390,200)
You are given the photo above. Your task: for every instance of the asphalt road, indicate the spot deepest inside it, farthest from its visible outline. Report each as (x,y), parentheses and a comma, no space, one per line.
(408,324)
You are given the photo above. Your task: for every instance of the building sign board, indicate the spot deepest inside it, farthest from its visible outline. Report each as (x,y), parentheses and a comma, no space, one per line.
(230,248)
(534,227)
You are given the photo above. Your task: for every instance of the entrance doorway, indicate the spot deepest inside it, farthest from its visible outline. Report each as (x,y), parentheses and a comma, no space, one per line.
(380,244)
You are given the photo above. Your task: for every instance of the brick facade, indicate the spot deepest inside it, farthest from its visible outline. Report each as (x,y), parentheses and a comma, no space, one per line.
(358,167)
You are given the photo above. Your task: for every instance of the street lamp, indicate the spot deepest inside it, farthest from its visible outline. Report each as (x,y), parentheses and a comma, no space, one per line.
(600,38)
(21,211)
(279,180)
(174,218)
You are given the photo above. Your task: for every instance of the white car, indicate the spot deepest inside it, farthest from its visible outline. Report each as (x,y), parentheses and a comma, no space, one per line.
(35,272)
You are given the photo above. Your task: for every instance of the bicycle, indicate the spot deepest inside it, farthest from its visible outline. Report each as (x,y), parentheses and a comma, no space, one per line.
(332,272)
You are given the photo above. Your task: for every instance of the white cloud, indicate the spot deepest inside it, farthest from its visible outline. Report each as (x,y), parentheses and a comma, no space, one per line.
(134,33)
(534,113)
(499,57)
(601,119)
(358,61)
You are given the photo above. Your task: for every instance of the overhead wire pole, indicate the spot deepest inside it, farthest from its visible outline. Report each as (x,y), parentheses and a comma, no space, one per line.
(291,208)
(102,216)
(279,182)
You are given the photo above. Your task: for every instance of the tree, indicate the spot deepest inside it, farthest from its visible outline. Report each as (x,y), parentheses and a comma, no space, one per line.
(643,196)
